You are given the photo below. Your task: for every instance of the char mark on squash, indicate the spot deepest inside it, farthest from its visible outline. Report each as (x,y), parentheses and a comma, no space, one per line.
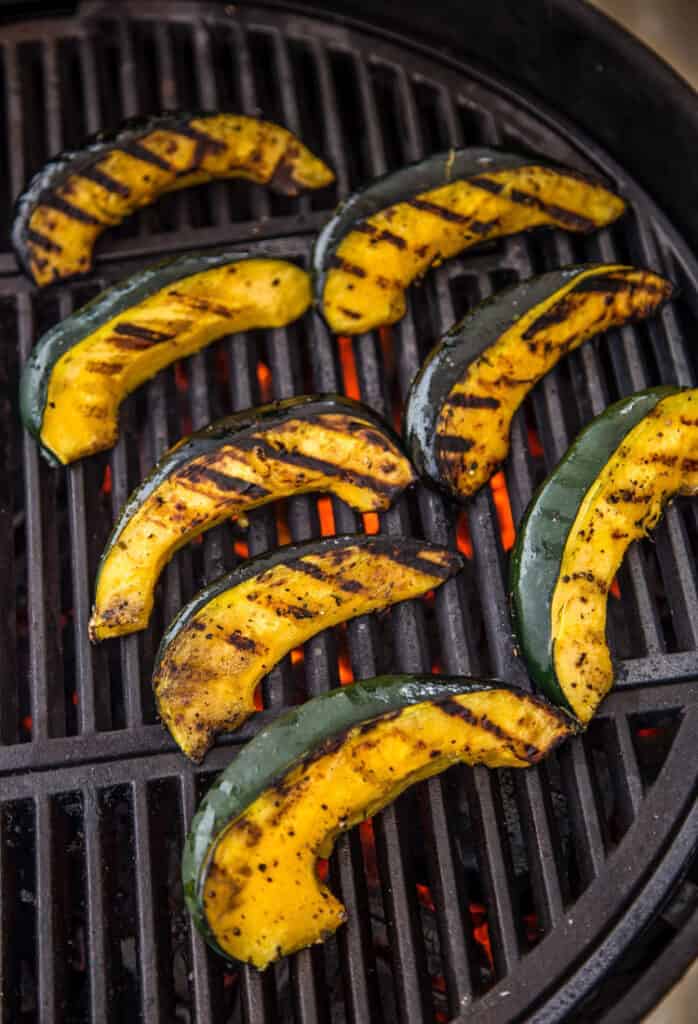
(142,333)
(327,468)
(347,267)
(42,241)
(292,611)
(600,283)
(453,444)
(462,400)
(56,202)
(689,465)
(557,314)
(140,152)
(351,313)
(589,576)
(204,305)
(103,367)
(223,481)
(106,181)
(389,236)
(242,642)
(627,495)
(439,211)
(412,560)
(336,581)
(574,221)
(203,139)
(451,707)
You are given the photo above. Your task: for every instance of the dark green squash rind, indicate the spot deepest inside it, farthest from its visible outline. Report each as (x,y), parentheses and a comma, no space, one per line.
(60,166)
(225,432)
(422,176)
(541,538)
(34,381)
(291,553)
(290,738)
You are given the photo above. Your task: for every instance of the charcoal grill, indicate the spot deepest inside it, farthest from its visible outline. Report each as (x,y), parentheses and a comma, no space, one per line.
(494,895)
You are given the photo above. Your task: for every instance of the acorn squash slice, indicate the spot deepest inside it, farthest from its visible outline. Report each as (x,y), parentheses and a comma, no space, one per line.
(77,195)
(312,443)
(463,399)
(235,631)
(386,236)
(609,490)
(249,864)
(82,369)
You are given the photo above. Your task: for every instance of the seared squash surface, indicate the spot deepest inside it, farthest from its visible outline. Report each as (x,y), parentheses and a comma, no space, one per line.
(78,195)
(473,424)
(71,393)
(363,285)
(262,898)
(301,445)
(233,633)
(656,460)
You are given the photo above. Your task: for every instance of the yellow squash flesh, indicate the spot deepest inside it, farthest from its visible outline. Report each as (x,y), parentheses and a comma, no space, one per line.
(479,409)
(206,679)
(657,459)
(375,264)
(64,229)
(357,463)
(91,379)
(262,897)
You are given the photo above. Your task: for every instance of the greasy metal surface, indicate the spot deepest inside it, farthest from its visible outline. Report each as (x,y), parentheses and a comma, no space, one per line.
(92,923)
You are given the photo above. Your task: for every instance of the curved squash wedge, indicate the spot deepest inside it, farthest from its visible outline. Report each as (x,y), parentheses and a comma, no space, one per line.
(77,195)
(249,865)
(234,632)
(385,237)
(82,369)
(463,399)
(608,490)
(312,443)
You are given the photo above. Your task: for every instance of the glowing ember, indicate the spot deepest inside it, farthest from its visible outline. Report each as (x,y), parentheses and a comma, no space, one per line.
(464,543)
(615,589)
(75,698)
(481,931)
(27,723)
(181,378)
(258,699)
(424,897)
(106,481)
(534,445)
(436,667)
(347,361)
(368,848)
(297,656)
(264,381)
(282,531)
(241,549)
(322,868)
(346,674)
(372,523)
(326,514)
(649,732)
(503,508)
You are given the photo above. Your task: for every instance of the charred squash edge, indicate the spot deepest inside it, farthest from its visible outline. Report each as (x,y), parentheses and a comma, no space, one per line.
(58,167)
(541,539)
(420,176)
(286,555)
(35,377)
(227,430)
(293,736)
(463,343)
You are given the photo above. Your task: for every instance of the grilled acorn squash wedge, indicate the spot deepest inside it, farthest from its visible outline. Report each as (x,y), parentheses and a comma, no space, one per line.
(463,399)
(235,631)
(249,864)
(77,195)
(608,490)
(383,238)
(312,443)
(82,369)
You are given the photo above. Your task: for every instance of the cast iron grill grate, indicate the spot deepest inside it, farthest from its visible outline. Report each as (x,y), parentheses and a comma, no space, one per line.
(494,893)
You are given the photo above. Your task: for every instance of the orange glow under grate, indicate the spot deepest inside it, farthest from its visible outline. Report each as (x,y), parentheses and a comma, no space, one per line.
(464,543)
(347,361)
(507,532)
(264,381)
(326,515)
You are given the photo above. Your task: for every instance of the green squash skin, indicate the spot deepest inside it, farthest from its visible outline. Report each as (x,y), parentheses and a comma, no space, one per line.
(289,739)
(227,430)
(290,553)
(36,374)
(541,538)
(460,346)
(59,167)
(421,176)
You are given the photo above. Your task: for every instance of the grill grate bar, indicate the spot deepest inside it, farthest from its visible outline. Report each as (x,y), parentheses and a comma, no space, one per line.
(47,960)
(148,946)
(96,938)
(199,958)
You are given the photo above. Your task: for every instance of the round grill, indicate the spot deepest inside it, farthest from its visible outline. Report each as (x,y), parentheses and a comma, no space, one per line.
(490,894)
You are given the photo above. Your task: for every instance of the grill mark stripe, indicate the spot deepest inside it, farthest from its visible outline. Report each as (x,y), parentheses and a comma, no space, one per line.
(224,481)
(143,333)
(572,220)
(347,267)
(557,313)
(389,236)
(438,211)
(453,709)
(413,561)
(199,136)
(105,180)
(42,241)
(329,469)
(452,443)
(107,369)
(348,586)
(204,306)
(351,313)
(462,400)
(135,149)
(130,344)
(55,202)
